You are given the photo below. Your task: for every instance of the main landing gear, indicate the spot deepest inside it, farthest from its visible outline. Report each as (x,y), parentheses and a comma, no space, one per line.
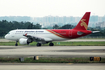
(38,44)
(50,44)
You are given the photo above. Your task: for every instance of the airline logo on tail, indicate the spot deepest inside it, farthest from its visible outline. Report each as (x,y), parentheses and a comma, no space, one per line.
(83,23)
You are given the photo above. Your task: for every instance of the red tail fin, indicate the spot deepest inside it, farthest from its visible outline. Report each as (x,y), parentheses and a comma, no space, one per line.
(83,23)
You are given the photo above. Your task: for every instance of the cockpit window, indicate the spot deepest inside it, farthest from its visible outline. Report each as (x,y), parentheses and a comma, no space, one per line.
(9,33)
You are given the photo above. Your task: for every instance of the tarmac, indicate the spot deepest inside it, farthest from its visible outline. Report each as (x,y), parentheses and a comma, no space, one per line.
(55,51)
(52,66)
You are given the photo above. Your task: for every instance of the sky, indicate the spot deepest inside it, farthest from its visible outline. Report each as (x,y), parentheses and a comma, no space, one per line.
(41,8)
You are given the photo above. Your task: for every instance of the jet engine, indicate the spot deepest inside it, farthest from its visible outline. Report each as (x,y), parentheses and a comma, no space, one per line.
(24,41)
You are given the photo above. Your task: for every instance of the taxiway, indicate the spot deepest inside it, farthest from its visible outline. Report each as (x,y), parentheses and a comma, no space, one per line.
(55,51)
(52,66)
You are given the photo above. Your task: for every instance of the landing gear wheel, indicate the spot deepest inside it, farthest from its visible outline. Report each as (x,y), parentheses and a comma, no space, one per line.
(38,44)
(28,43)
(16,43)
(51,44)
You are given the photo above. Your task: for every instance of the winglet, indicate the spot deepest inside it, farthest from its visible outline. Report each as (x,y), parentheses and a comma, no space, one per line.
(83,23)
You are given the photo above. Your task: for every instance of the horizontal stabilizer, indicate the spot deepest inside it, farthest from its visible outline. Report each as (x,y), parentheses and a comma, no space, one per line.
(95,31)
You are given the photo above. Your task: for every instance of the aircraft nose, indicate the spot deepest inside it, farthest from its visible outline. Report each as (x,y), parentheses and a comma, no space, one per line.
(6,37)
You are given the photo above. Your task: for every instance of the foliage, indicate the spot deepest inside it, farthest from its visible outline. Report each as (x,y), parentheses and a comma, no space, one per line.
(67,26)
(55,26)
(51,60)
(6,26)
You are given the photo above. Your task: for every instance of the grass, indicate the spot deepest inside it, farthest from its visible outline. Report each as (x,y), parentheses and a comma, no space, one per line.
(80,44)
(102,43)
(51,60)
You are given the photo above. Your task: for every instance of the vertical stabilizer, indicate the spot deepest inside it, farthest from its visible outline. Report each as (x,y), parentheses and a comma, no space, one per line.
(83,23)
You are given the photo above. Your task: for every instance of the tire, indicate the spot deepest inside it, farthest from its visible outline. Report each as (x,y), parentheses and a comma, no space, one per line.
(16,44)
(38,44)
(51,44)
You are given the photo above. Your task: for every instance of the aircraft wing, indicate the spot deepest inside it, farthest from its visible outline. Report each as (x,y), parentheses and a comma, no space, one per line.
(38,39)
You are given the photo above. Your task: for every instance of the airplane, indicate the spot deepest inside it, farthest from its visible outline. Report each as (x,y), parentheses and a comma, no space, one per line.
(44,36)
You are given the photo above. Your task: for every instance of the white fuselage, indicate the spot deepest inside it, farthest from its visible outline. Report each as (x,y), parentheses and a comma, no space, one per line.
(17,34)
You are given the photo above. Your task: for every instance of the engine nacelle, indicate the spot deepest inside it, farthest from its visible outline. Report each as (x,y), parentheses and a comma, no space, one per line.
(24,41)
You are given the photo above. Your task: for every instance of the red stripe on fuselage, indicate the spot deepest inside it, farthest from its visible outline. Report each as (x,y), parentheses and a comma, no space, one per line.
(68,33)
(60,32)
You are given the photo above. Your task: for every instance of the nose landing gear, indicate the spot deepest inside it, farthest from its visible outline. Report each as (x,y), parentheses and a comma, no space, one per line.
(16,43)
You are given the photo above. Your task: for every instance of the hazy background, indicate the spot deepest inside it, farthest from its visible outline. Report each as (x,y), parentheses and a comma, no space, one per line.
(50,12)
(41,8)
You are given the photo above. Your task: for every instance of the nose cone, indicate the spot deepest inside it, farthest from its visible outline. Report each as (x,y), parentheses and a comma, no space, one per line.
(5,36)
